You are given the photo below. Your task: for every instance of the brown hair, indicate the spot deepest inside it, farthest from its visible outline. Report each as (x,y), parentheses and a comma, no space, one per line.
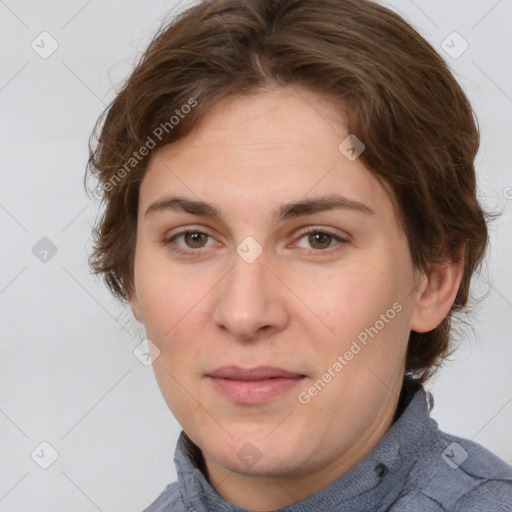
(398,94)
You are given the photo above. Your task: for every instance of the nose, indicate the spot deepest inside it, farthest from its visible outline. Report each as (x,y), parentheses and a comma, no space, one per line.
(250,301)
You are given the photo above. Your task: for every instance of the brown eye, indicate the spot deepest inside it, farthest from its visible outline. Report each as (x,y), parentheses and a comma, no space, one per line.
(320,240)
(189,242)
(195,239)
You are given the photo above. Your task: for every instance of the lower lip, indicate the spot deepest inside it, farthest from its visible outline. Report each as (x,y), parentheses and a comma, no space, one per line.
(255,391)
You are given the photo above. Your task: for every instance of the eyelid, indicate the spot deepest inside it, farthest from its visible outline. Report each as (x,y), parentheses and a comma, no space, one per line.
(340,239)
(327,231)
(168,238)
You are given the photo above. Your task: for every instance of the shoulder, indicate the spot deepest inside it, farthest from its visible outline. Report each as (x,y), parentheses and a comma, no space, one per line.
(169,499)
(462,475)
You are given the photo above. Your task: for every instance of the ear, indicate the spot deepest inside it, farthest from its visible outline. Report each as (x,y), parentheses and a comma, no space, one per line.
(436,294)
(134,304)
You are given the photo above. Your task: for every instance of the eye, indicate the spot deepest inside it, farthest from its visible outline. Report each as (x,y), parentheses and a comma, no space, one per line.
(193,239)
(321,240)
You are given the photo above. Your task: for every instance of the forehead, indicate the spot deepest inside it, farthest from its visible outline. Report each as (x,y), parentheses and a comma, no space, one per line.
(271,148)
(279,118)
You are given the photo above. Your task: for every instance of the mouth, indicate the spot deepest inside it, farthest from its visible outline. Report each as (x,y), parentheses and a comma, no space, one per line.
(253,385)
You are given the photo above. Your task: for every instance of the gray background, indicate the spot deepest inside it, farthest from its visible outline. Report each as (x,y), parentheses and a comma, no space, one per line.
(68,375)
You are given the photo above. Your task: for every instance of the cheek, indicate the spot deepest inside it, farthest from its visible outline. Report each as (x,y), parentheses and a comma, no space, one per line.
(174,316)
(364,310)
(351,298)
(162,292)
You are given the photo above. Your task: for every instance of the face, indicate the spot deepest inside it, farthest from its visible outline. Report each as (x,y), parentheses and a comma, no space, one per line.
(325,291)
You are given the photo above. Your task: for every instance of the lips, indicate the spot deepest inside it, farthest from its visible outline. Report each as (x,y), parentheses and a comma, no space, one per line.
(253,385)
(252,374)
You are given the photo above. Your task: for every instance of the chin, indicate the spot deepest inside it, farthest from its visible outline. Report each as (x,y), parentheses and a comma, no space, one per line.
(259,455)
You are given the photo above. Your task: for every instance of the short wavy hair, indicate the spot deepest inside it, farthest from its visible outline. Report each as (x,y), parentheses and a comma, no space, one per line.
(398,95)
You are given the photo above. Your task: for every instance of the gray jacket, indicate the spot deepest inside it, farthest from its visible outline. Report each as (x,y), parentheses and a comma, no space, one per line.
(414,468)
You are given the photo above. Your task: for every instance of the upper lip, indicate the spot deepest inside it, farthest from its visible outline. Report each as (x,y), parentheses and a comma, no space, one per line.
(256,373)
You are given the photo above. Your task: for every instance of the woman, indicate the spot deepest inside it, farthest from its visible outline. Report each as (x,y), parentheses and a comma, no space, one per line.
(291,213)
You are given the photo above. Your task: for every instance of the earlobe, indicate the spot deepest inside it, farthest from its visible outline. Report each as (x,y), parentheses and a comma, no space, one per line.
(134,304)
(437,295)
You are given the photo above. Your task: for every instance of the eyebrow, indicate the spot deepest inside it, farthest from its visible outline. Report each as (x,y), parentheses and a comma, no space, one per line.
(284,212)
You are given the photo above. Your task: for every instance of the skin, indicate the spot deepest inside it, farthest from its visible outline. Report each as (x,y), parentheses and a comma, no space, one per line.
(299,305)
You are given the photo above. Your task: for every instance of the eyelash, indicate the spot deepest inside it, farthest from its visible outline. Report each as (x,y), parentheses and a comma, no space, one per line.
(339,240)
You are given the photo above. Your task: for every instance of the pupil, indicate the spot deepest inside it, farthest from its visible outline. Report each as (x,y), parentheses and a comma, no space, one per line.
(196,238)
(320,238)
